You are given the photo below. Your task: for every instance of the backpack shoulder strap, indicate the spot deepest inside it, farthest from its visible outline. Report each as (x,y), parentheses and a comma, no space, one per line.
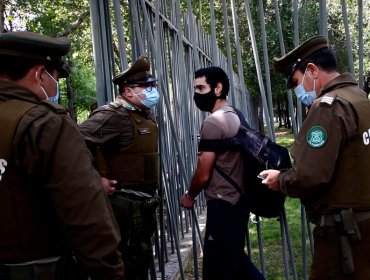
(221,145)
(11,113)
(243,121)
(228,179)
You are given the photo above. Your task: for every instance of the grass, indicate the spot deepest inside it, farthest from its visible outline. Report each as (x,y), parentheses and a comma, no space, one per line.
(272,243)
(271,234)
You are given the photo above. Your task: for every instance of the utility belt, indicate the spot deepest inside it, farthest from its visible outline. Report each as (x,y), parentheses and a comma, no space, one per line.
(346,225)
(329,220)
(136,215)
(43,269)
(124,198)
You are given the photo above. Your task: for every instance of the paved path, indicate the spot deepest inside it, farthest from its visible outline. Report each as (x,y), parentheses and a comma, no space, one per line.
(172,266)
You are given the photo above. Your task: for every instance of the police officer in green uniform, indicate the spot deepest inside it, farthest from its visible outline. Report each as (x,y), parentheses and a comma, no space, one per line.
(123,138)
(331,173)
(52,200)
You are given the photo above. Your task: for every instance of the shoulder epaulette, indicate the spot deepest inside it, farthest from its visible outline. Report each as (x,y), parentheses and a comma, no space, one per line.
(115,104)
(327,100)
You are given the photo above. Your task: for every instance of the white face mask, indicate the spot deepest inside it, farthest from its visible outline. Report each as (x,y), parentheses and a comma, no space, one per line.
(306,97)
(55,98)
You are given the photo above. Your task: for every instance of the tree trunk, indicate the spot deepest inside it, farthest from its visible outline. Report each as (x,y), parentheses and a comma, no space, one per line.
(260,114)
(280,114)
(288,124)
(70,106)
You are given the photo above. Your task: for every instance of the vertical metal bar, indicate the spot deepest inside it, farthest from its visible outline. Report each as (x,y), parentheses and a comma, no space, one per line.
(296,43)
(267,70)
(215,58)
(102,51)
(323,18)
(348,37)
(303,239)
(289,243)
(193,36)
(228,51)
(136,34)
(282,52)
(260,246)
(360,7)
(284,246)
(120,34)
(258,66)
(243,93)
(161,257)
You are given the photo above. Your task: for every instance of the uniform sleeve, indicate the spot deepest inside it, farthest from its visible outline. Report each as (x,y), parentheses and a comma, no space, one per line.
(106,125)
(317,147)
(104,128)
(55,153)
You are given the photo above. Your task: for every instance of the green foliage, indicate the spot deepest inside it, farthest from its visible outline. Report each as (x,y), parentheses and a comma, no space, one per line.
(71,18)
(61,18)
(83,81)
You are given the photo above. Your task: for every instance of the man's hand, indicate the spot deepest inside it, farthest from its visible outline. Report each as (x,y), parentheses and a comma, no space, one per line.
(108,185)
(271,179)
(187,202)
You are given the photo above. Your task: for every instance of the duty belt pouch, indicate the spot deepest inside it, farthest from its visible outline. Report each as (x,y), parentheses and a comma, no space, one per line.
(348,266)
(350,225)
(345,246)
(120,202)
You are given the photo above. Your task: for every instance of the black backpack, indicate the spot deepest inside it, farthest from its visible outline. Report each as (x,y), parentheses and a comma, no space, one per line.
(259,153)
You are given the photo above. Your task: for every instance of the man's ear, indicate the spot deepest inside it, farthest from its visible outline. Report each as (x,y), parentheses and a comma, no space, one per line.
(218,89)
(39,71)
(127,92)
(313,69)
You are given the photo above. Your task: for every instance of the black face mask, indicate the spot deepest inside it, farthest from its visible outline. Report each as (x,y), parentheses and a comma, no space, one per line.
(205,102)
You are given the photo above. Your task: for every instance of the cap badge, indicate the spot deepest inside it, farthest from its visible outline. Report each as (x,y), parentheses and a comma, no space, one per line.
(316,136)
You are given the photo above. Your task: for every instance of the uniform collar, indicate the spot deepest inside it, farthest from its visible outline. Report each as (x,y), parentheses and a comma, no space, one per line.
(14,91)
(339,81)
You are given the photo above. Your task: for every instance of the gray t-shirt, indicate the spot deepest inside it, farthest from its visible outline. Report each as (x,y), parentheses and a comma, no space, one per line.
(222,124)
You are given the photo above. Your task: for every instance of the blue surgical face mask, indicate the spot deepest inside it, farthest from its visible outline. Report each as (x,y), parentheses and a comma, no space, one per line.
(151,97)
(306,97)
(55,98)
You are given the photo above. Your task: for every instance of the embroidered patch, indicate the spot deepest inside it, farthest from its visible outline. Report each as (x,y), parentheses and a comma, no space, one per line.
(316,136)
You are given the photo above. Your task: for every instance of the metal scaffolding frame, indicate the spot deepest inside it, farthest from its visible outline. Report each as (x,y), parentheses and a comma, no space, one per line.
(177,45)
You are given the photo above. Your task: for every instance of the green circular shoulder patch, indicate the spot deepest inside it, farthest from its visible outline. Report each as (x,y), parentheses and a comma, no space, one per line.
(316,136)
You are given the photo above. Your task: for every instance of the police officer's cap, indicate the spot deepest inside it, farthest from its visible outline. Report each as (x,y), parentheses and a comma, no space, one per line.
(137,73)
(36,47)
(288,63)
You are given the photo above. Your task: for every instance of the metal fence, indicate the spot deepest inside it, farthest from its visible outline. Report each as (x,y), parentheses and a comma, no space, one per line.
(177,45)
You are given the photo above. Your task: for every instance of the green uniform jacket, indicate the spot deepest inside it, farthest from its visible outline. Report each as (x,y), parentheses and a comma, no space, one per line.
(331,152)
(51,198)
(125,145)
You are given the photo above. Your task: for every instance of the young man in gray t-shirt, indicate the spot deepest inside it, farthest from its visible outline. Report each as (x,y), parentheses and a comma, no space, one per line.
(227,215)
